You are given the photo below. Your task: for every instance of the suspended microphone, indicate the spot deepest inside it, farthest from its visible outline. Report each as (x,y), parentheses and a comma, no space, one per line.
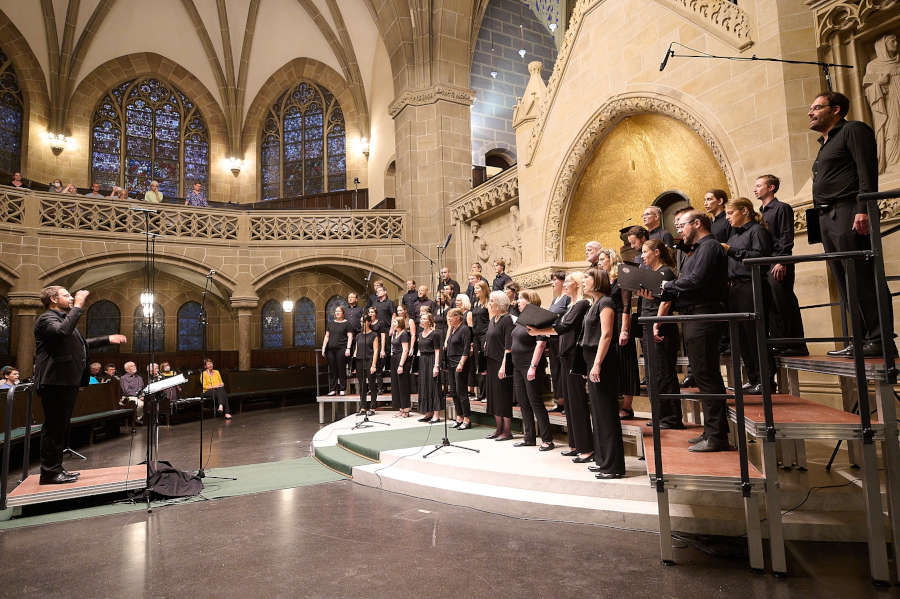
(665,59)
(210,273)
(446,242)
(369,277)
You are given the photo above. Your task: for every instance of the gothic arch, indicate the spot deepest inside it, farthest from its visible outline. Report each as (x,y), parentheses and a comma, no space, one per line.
(8,275)
(588,139)
(379,271)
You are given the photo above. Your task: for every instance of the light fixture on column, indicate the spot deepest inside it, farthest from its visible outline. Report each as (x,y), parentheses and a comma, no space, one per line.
(493,70)
(235,165)
(522,52)
(57,142)
(287,306)
(364,146)
(552,27)
(147,301)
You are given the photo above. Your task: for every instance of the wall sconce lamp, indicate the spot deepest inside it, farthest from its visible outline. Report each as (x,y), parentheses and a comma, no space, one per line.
(57,142)
(364,146)
(235,165)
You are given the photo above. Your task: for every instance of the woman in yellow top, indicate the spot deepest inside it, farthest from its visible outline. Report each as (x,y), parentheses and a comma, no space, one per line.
(214,388)
(153,195)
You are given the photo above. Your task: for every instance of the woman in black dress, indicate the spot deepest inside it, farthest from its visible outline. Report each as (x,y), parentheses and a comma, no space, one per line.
(400,358)
(600,357)
(336,349)
(629,377)
(558,306)
(382,329)
(457,346)
(497,346)
(445,302)
(430,400)
(569,328)
(526,355)
(478,321)
(661,342)
(366,356)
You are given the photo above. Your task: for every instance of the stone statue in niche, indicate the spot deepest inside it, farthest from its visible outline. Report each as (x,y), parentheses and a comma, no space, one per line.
(517,232)
(881,85)
(481,251)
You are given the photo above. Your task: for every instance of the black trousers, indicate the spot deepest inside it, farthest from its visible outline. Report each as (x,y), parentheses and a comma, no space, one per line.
(528,395)
(459,386)
(337,369)
(784,309)
(702,339)
(661,360)
(837,236)
(609,450)
(740,299)
(557,376)
(367,383)
(58,402)
(219,398)
(578,413)
(400,383)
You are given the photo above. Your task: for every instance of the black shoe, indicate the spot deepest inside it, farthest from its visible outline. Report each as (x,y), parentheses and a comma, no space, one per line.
(595,468)
(697,439)
(569,453)
(424,419)
(874,349)
(547,447)
(75,474)
(558,408)
(752,389)
(464,426)
(792,351)
(493,435)
(847,352)
(708,445)
(456,424)
(608,475)
(58,479)
(664,426)
(524,444)
(688,381)
(583,460)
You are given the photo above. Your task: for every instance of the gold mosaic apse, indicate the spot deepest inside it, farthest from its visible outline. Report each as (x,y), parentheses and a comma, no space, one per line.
(643,157)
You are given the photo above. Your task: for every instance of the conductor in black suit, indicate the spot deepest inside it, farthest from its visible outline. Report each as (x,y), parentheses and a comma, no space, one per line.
(60,367)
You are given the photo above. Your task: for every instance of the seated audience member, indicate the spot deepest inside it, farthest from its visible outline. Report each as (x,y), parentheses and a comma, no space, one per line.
(118,193)
(165,371)
(130,385)
(95,191)
(55,187)
(96,376)
(652,218)
(196,197)
(17,180)
(71,189)
(214,388)
(109,373)
(10,376)
(153,195)
(153,372)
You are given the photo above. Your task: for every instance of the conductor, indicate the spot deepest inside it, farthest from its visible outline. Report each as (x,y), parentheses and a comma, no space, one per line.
(60,367)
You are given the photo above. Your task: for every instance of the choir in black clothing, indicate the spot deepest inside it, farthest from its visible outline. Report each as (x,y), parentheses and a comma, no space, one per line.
(558,306)
(429,342)
(497,348)
(401,357)
(366,358)
(527,351)
(457,347)
(336,349)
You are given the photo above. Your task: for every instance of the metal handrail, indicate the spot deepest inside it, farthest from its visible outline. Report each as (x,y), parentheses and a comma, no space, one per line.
(7,439)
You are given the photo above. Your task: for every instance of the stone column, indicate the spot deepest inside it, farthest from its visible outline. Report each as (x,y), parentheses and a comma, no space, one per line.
(25,309)
(244,307)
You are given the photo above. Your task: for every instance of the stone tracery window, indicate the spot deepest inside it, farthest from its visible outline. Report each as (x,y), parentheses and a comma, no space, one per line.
(11,104)
(334,302)
(145,130)
(190,329)
(272,325)
(303,147)
(5,325)
(304,323)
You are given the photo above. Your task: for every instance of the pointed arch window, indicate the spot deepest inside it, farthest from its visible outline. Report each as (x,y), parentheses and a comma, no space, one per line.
(272,325)
(11,110)
(304,144)
(5,325)
(304,323)
(144,130)
(190,330)
(103,318)
(142,327)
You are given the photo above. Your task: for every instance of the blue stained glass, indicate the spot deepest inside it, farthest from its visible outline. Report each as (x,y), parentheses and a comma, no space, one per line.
(5,325)
(137,146)
(293,136)
(165,169)
(269,152)
(103,318)
(313,150)
(166,149)
(143,326)
(334,302)
(272,325)
(304,323)
(292,152)
(190,331)
(11,102)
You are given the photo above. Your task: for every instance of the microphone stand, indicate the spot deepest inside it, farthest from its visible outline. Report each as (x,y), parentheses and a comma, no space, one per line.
(670,53)
(421,253)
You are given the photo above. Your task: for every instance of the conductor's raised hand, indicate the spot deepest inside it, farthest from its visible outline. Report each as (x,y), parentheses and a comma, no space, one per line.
(80,297)
(117,339)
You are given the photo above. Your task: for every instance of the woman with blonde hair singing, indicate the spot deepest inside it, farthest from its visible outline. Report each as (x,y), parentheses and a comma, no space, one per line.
(629,378)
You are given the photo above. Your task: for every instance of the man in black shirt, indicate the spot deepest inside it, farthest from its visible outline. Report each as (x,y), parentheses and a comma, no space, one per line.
(846,166)
(652,218)
(470,290)
(784,311)
(701,288)
(446,280)
(423,300)
(501,280)
(354,312)
(714,201)
(636,236)
(409,298)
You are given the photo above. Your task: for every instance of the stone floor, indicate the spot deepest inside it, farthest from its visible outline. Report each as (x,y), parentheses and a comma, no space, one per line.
(345,540)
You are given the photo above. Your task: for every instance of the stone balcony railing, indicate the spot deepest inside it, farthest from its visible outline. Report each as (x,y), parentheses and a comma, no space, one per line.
(55,213)
(498,192)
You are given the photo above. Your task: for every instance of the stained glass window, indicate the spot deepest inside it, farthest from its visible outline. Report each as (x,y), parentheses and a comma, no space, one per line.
(10,117)
(5,326)
(334,302)
(190,331)
(146,130)
(103,318)
(142,330)
(303,149)
(304,323)
(272,325)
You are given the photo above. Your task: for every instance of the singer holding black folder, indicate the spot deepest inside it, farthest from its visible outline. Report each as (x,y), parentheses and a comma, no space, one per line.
(526,354)
(497,347)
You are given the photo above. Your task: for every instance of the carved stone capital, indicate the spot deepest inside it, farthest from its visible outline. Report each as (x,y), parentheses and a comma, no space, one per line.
(836,17)
(423,97)
(245,302)
(25,300)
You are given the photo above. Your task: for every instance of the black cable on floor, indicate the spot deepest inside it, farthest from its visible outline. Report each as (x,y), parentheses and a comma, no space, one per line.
(810,492)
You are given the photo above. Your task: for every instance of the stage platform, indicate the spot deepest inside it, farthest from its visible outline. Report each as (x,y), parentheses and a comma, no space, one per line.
(100,481)
(528,483)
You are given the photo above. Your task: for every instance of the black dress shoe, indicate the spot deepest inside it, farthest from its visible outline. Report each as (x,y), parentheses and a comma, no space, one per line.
(569,453)
(874,349)
(792,351)
(456,424)
(493,435)
(608,475)
(752,389)
(58,479)
(847,352)
(707,445)
(595,468)
(424,419)
(665,426)
(583,460)
(688,381)
(75,474)
(547,447)
(697,439)
(524,444)
(464,426)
